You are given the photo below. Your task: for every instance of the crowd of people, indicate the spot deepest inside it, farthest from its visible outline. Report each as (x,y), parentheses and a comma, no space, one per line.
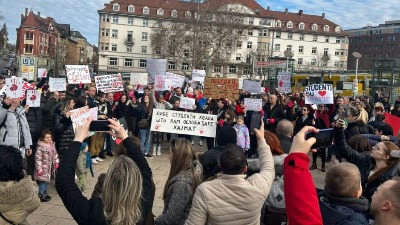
(247,176)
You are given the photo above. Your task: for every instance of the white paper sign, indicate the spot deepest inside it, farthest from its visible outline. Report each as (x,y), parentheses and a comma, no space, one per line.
(187,103)
(78,74)
(138,78)
(80,116)
(253,104)
(93,113)
(252,86)
(33,98)
(57,84)
(159,84)
(14,87)
(198,75)
(319,94)
(184,123)
(241,83)
(109,83)
(155,67)
(42,72)
(173,80)
(284,85)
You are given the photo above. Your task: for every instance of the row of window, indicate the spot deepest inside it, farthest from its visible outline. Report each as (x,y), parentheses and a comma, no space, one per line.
(315,38)
(375,47)
(146,10)
(115,19)
(314,62)
(391,38)
(302,26)
(114,34)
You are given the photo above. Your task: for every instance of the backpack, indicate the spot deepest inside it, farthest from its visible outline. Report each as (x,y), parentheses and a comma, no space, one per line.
(275,210)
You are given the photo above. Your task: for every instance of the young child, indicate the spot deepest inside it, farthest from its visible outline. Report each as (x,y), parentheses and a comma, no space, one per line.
(46,162)
(84,165)
(243,137)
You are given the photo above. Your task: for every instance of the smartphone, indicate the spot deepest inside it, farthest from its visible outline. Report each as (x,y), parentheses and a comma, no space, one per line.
(255,121)
(99,126)
(324,138)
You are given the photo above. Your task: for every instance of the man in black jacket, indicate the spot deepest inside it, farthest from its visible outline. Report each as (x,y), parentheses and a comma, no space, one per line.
(273,113)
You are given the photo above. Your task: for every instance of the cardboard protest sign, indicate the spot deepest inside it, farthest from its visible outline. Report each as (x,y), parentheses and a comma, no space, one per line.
(187,103)
(79,116)
(319,94)
(184,123)
(33,98)
(284,84)
(252,86)
(155,67)
(42,72)
(198,75)
(221,88)
(159,84)
(109,83)
(173,80)
(253,104)
(14,87)
(78,74)
(117,141)
(57,84)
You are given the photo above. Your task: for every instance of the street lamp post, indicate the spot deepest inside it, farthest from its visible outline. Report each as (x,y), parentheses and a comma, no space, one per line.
(288,54)
(357,55)
(253,55)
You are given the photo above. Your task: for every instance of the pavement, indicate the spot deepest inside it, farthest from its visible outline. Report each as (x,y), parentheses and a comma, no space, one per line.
(54,212)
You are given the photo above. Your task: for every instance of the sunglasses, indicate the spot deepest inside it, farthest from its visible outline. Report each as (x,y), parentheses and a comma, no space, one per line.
(303,109)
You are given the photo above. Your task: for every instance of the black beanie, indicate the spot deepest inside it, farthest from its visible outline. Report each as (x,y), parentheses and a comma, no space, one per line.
(226,135)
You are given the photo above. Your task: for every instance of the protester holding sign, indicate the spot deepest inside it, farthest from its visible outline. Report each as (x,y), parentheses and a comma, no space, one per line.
(63,129)
(145,111)
(157,137)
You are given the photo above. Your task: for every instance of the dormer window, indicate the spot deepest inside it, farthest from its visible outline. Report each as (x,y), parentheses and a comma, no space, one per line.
(278,23)
(289,24)
(160,12)
(146,10)
(337,29)
(131,8)
(116,7)
(326,28)
(174,13)
(301,26)
(188,14)
(314,27)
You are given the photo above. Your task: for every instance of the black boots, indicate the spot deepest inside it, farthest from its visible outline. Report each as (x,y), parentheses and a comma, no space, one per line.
(44,197)
(313,166)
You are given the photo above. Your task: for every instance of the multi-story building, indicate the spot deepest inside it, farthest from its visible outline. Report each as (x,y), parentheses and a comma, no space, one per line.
(126,28)
(374,42)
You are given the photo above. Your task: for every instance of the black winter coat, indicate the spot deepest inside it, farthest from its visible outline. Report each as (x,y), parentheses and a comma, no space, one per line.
(48,107)
(365,164)
(276,113)
(35,121)
(356,128)
(300,123)
(63,131)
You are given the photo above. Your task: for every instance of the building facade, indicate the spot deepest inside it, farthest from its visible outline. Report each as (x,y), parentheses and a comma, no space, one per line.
(126,29)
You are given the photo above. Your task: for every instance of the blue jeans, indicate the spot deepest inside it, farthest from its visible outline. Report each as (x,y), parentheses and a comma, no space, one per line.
(42,187)
(144,135)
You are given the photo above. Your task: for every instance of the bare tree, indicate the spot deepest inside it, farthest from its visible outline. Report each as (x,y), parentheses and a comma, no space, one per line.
(322,60)
(205,36)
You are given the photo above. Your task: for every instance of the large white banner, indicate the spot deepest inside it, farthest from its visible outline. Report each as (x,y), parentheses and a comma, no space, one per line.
(78,74)
(252,86)
(198,75)
(14,87)
(57,84)
(173,80)
(319,94)
(33,98)
(109,83)
(284,85)
(156,67)
(178,122)
(253,104)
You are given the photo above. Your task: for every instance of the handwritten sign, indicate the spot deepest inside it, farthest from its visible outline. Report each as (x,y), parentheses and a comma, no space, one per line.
(94,113)
(319,94)
(187,103)
(33,98)
(159,83)
(284,84)
(184,123)
(252,86)
(109,83)
(79,116)
(198,75)
(155,67)
(57,84)
(173,80)
(221,88)
(253,104)
(78,74)
(42,72)
(14,87)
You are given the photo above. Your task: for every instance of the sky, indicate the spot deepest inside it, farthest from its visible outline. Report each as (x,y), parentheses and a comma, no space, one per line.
(82,14)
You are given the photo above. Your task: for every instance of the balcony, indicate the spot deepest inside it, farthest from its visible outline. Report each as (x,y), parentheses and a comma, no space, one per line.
(129,41)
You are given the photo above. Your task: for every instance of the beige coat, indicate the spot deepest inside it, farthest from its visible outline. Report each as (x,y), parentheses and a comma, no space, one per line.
(18,200)
(232,199)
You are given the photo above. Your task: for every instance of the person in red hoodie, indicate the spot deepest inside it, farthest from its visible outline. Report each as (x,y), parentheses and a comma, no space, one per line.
(302,206)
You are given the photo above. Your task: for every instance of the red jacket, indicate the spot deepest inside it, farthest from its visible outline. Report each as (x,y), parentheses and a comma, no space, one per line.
(324,115)
(301,199)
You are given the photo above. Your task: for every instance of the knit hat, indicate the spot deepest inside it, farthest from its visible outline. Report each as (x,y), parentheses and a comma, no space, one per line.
(226,135)
(83,146)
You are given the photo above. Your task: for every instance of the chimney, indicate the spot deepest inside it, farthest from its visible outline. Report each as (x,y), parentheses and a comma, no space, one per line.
(26,12)
(323,15)
(301,12)
(268,8)
(38,14)
(286,10)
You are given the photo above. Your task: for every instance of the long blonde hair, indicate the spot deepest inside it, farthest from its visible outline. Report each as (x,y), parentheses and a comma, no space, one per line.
(122,192)
(183,159)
